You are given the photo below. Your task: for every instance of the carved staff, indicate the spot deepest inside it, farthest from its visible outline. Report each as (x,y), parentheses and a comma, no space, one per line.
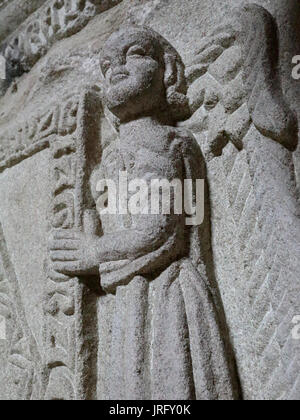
(67,352)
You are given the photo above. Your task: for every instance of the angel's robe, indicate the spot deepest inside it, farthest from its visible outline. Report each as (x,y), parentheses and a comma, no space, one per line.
(159,333)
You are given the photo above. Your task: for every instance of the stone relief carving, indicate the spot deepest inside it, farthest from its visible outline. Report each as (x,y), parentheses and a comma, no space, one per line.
(168,344)
(248,133)
(68,364)
(268,108)
(154,277)
(56,20)
(32,135)
(234,81)
(14,12)
(24,367)
(3,2)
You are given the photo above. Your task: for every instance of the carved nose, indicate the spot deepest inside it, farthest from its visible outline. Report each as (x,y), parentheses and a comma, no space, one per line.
(118,60)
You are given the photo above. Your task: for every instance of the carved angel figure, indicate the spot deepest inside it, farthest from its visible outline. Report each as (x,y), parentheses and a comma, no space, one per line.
(161,331)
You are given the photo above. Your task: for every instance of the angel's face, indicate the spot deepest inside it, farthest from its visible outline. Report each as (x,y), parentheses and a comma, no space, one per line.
(133,74)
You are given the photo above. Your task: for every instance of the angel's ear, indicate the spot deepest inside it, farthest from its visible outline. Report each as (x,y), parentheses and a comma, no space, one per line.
(176,86)
(267,106)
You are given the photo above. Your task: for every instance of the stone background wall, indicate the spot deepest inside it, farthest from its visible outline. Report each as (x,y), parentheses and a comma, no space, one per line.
(52,48)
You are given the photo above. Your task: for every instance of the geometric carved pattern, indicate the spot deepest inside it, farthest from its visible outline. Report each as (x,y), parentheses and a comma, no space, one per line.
(66,354)
(34,134)
(261,255)
(62,372)
(55,20)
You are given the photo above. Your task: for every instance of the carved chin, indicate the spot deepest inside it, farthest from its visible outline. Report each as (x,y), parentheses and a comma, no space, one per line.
(127,91)
(118,98)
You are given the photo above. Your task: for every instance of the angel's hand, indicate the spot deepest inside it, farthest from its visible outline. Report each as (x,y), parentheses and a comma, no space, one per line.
(73,253)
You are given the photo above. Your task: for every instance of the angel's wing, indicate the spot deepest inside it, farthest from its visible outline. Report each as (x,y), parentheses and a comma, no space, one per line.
(269,111)
(247,133)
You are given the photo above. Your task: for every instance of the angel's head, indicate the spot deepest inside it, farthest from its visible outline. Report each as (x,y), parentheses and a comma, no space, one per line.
(143,76)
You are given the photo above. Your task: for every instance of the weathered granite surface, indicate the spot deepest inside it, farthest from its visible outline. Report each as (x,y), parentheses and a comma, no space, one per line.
(14,12)
(105,308)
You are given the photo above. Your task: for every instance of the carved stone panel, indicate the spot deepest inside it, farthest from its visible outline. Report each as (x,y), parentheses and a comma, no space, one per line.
(131,304)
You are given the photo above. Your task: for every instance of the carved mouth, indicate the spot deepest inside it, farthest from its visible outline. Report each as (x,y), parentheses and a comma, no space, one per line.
(116,78)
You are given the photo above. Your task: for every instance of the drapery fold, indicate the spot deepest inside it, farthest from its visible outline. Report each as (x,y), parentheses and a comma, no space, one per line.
(165,340)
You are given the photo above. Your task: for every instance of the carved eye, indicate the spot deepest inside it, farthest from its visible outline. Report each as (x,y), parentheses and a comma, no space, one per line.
(105,66)
(136,51)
